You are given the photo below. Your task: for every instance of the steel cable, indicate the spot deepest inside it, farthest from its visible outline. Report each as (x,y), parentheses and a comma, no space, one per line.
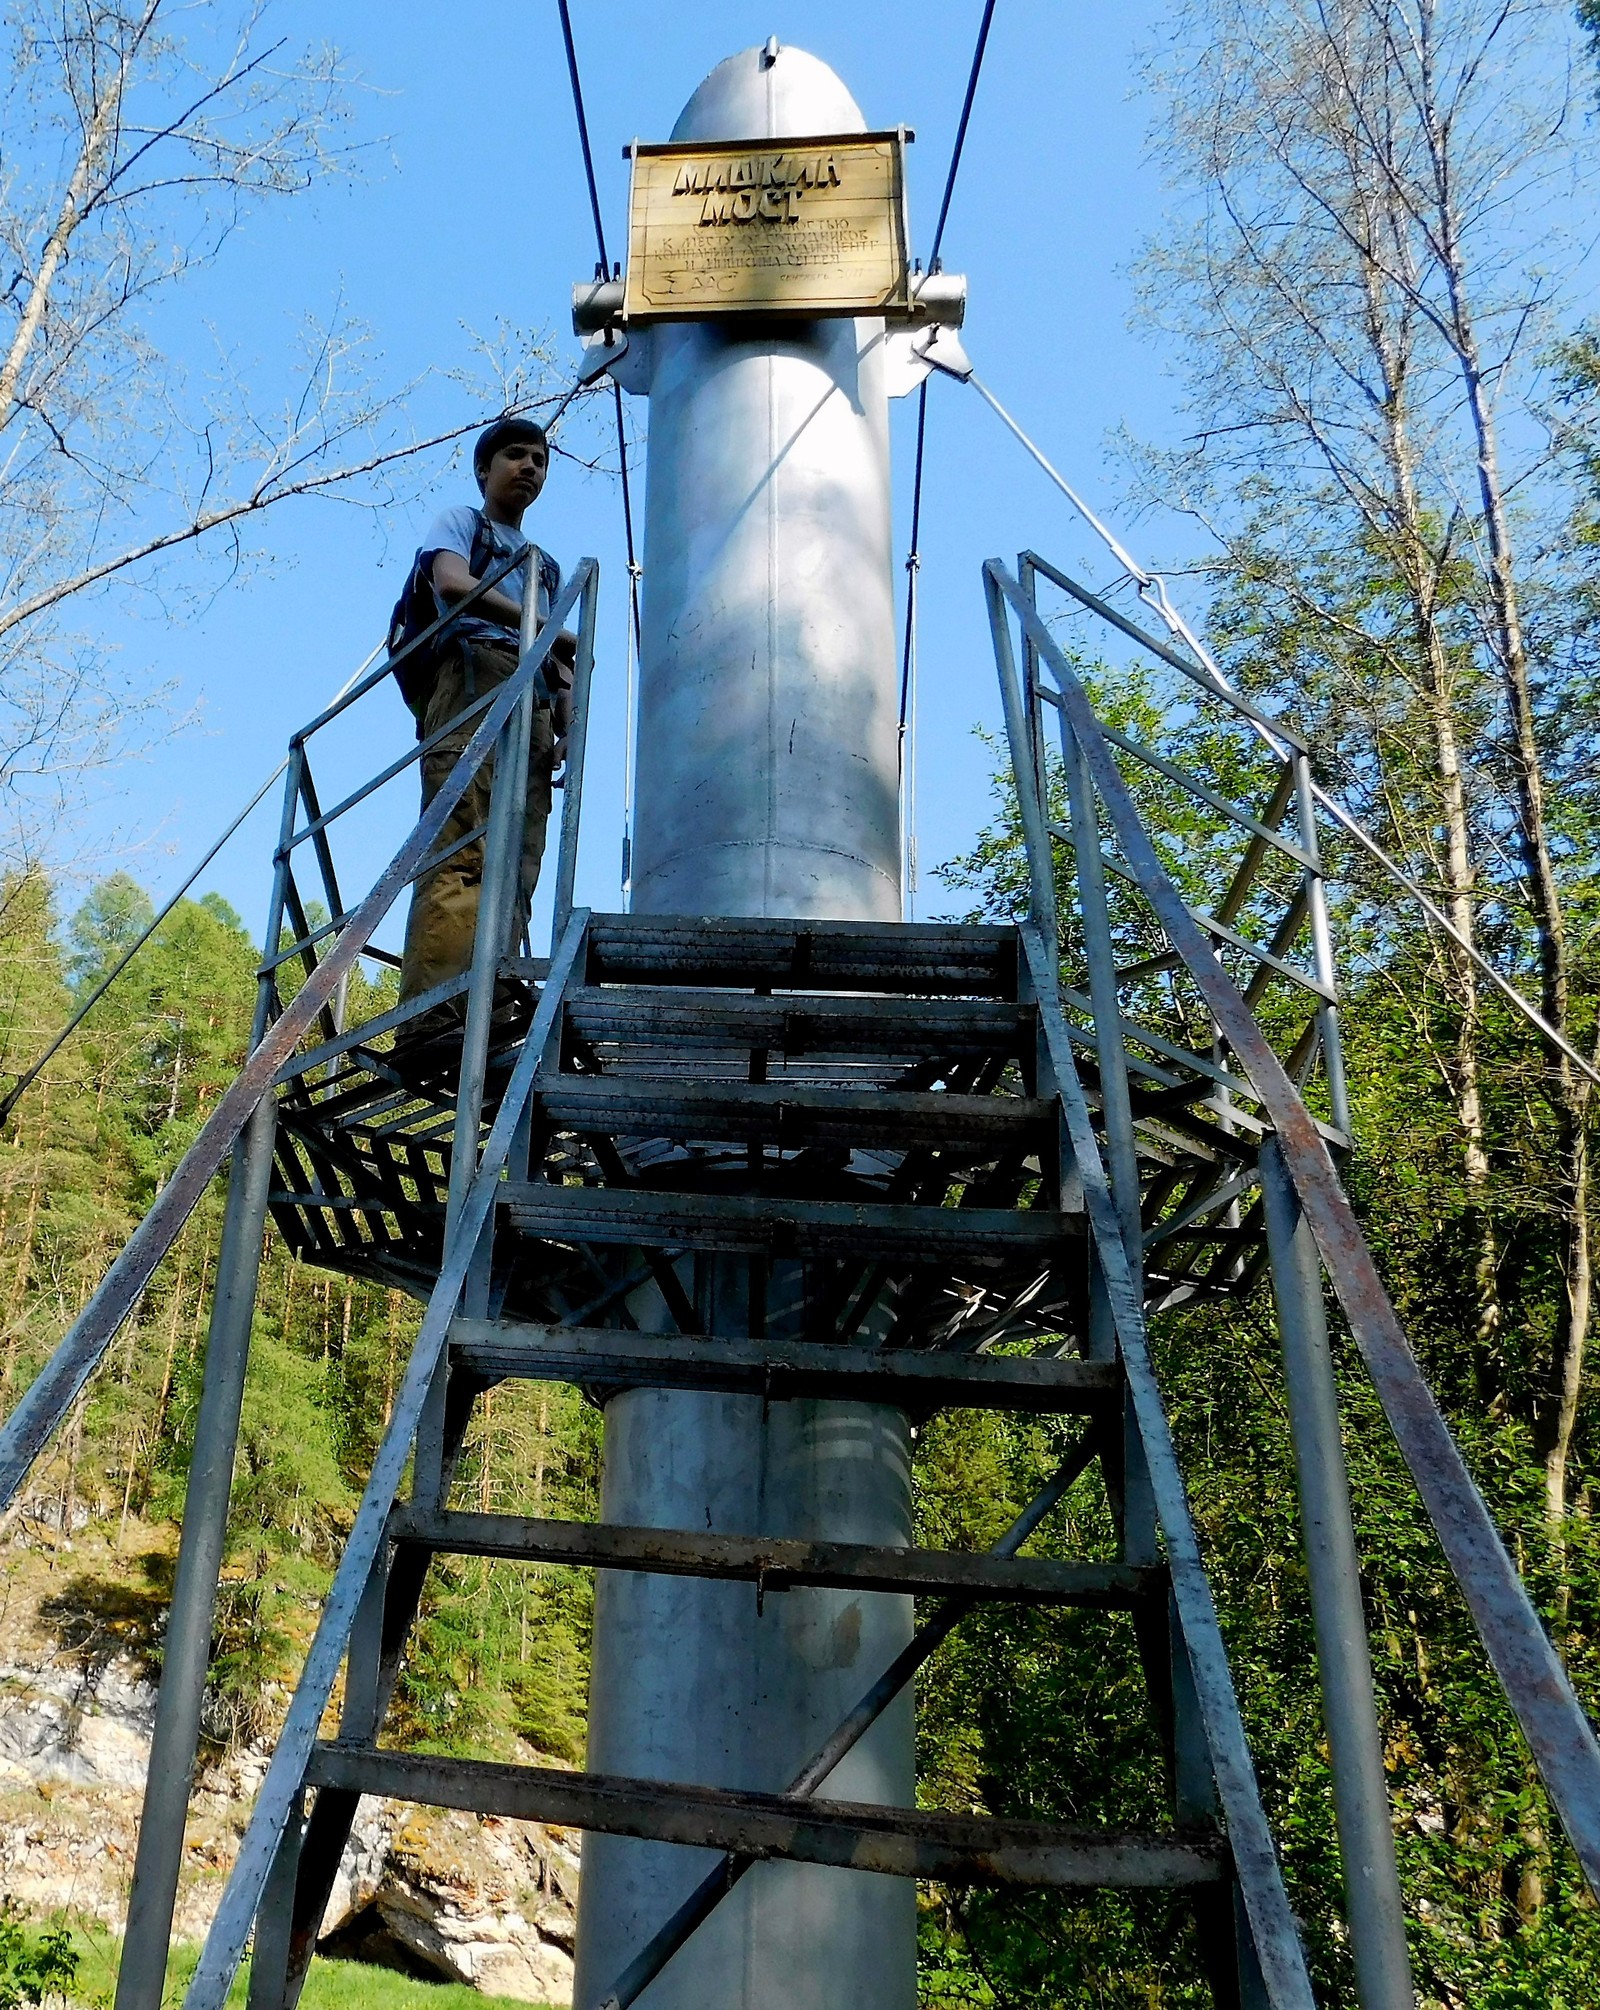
(905,745)
(1153,592)
(583,138)
(905,749)
(961,131)
(635,570)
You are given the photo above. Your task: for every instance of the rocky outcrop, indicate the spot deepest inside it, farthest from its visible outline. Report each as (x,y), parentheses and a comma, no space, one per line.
(453,1896)
(75,1727)
(74,1749)
(470,1898)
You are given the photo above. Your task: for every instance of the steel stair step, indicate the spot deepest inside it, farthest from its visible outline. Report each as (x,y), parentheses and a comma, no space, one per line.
(775,1225)
(778,1563)
(787,1117)
(698,1020)
(596,1357)
(849,1835)
(812,955)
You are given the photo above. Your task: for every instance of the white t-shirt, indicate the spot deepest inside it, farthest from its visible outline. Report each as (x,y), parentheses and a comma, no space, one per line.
(455,530)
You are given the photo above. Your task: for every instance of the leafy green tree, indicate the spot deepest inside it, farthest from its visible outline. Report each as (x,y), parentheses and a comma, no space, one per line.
(502,1650)
(501,1654)
(33,1967)
(1027,1715)
(105,927)
(1370,346)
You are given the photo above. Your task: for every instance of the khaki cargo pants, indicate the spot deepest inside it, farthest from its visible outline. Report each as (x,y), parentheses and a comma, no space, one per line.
(444,904)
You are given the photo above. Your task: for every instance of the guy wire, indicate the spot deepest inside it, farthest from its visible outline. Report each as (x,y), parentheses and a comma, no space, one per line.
(635,571)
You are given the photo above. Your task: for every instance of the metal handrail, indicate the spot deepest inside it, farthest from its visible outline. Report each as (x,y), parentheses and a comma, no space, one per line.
(1531,1673)
(1153,592)
(573,771)
(1236,701)
(1201,793)
(1293,797)
(1112,1204)
(1213,925)
(391,663)
(1276,1941)
(274,1808)
(299,793)
(44,1405)
(412,754)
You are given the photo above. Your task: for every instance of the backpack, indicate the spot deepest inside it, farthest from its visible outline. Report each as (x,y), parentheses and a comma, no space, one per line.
(416,611)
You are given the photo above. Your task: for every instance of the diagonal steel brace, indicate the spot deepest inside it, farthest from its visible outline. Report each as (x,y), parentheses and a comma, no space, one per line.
(698,1907)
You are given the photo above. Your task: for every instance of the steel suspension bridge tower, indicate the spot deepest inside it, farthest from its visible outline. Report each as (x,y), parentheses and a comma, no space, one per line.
(767,787)
(774,1176)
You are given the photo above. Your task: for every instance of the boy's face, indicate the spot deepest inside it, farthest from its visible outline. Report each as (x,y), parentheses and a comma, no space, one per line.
(516,474)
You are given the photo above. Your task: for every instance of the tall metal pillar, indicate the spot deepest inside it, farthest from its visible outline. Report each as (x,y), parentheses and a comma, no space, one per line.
(187,1652)
(1360,1794)
(767,785)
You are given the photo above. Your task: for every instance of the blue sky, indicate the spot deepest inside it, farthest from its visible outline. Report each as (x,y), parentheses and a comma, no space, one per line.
(473,213)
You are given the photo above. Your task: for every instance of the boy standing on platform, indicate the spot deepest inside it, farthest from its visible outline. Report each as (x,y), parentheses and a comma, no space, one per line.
(477,653)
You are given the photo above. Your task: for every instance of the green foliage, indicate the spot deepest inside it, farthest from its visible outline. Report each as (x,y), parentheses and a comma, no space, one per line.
(502,1652)
(1029,1715)
(329,1985)
(33,1967)
(1588,13)
(1039,1715)
(502,1657)
(105,927)
(1023,1713)
(355,1985)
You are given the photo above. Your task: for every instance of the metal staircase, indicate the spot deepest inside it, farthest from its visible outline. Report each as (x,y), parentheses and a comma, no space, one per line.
(882,1104)
(1037,1133)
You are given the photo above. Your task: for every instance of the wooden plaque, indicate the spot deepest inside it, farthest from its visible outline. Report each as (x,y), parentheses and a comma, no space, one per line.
(807,227)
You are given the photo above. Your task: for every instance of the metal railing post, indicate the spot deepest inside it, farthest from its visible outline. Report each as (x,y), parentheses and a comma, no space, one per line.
(175,1737)
(278,1798)
(319,839)
(1094,914)
(501,869)
(498,895)
(1531,1672)
(1036,836)
(187,1653)
(282,867)
(1031,707)
(49,1397)
(1344,1664)
(270,1963)
(1269,1934)
(502,861)
(1321,944)
(577,741)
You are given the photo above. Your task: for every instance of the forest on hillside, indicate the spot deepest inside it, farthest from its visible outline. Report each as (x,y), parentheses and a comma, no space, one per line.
(83,1159)
(1371,276)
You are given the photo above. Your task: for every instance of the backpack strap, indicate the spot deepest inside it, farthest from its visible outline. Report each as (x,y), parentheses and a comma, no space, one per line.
(549,574)
(483,553)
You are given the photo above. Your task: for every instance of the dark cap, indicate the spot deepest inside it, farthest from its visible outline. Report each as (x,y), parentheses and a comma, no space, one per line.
(507,432)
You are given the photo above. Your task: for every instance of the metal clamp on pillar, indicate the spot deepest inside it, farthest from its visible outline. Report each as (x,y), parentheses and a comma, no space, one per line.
(935,300)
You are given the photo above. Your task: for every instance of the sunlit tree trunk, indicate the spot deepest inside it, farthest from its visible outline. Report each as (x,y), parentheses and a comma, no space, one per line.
(1555,1415)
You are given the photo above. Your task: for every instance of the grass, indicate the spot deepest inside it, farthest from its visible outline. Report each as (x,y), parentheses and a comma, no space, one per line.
(331,1985)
